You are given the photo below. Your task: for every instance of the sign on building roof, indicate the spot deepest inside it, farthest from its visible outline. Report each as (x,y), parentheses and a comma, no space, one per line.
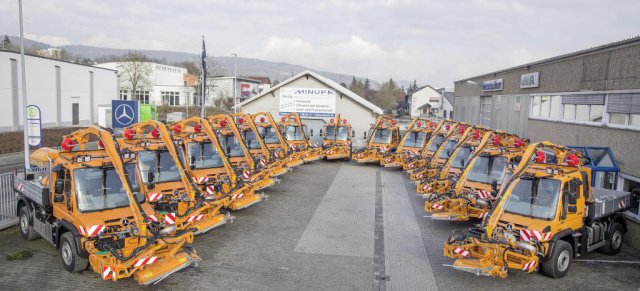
(315,102)
(531,80)
(492,85)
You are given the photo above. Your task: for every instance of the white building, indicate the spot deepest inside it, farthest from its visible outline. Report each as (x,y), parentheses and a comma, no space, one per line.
(428,101)
(166,85)
(221,88)
(315,91)
(66,93)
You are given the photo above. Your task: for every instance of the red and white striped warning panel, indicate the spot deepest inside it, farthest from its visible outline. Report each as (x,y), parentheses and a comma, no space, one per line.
(315,144)
(427,188)
(622,204)
(254,179)
(169,218)
(348,143)
(484,194)
(411,166)
(330,152)
(246,174)
(293,147)
(152,217)
(527,235)
(92,231)
(276,154)
(306,154)
(153,197)
(145,261)
(529,265)
(237,196)
(483,215)
(419,175)
(383,148)
(211,190)
(20,187)
(461,252)
(412,152)
(263,163)
(106,273)
(195,217)
(437,206)
(199,180)
(387,160)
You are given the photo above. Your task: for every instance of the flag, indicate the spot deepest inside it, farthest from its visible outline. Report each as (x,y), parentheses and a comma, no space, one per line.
(204,73)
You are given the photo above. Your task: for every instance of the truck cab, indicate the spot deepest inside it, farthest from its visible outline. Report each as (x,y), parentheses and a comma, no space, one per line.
(415,137)
(273,139)
(384,137)
(336,139)
(297,136)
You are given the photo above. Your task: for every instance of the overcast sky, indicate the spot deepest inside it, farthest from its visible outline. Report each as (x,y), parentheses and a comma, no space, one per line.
(435,42)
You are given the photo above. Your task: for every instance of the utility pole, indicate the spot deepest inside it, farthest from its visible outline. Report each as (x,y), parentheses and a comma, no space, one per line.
(235,78)
(27,165)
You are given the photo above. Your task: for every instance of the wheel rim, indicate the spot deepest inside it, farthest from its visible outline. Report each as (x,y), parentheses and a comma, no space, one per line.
(563,261)
(66,253)
(616,240)
(24,223)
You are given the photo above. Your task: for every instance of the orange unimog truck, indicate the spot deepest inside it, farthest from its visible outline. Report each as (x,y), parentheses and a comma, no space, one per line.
(412,142)
(444,129)
(265,160)
(209,167)
(238,154)
(546,215)
(384,137)
(460,131)
(268,130)
(475,190)
(297,136)
(336,139)
(87,205)
(166,183)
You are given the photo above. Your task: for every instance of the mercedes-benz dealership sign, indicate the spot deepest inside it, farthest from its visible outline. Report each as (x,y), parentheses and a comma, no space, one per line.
(316,102)
(124,113)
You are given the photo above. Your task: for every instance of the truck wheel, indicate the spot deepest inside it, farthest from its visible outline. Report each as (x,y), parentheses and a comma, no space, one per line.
(558,265)
(27,231)
(614,240)
(70,258)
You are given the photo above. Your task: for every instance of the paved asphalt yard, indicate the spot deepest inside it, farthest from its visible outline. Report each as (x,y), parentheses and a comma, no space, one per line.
(327,226)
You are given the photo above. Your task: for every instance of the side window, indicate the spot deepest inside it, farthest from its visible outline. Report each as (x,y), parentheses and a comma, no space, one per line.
(67,182)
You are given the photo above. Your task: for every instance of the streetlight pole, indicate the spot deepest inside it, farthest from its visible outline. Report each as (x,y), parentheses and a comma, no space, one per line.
(235,78)
(27,165)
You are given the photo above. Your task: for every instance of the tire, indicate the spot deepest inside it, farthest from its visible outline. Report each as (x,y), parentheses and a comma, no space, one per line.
(27,231)
(614,240)
(69,254)
(558,265)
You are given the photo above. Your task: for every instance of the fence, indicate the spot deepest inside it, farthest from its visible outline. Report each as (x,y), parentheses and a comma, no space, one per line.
(8,202)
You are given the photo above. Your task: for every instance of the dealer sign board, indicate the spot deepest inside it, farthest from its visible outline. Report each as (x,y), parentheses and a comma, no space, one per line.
(492,85)
(531,80)
(314,102)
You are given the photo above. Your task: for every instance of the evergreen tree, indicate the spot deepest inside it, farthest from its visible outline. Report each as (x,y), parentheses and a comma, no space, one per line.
(6,43)
(367,84)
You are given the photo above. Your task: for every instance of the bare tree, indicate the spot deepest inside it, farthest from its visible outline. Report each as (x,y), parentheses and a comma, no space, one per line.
(385,98)
(135,72)
(214,69)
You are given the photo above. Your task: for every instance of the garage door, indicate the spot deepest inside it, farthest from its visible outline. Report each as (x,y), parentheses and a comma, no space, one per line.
(316,125)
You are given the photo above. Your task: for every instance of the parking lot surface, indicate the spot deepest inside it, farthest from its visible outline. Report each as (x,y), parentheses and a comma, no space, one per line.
(326,226)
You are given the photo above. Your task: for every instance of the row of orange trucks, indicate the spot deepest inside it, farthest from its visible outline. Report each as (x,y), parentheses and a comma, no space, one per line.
(534,204)
(130,205)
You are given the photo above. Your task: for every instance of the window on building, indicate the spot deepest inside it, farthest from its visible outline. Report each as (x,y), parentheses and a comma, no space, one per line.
(124,94)
(584,108)
(545,106)
(143,96)
(170,98)
(556,107)
(485,111)
(535,106)
(624,109)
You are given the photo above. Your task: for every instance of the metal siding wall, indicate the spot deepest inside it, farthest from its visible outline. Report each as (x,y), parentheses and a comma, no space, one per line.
(467,109)
(507,118)
(15,102)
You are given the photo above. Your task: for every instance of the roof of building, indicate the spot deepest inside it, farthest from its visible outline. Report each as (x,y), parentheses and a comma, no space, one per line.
(56,60)
(264,80)
(326,81)
(239,78)
(586,51)
(449,97)
(423,87)
(426,105)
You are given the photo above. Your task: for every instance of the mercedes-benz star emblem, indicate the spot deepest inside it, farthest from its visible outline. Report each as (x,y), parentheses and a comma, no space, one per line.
(124,222)
(124,114)
(510,227)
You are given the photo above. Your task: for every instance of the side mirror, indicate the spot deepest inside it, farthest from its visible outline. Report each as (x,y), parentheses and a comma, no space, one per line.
(365,135)
(150,177)
(321,131)
(192,160)
(494,185)
(449,153)
(192,167)
(311,134)
(353,133)
(572,198)
(59,186)
(58,198)
(228,149)
(462,162)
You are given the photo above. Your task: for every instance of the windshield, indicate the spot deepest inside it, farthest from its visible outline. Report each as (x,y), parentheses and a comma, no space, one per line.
(343,133)
(251,139)
(101,188)
(269,134)
(203,155)
(414,139)
(488,168)
(435,143)
(293,133)
(461,155)
(330,132)
(444,153)
(232,145)
(537,198)
(382,136)
(160,163)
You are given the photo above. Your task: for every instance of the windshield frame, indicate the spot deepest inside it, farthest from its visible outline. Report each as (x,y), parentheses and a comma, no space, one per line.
(555,201)
(416,136)
(159,155)
(131,169)
(201,149)
(491,158)
(380,136)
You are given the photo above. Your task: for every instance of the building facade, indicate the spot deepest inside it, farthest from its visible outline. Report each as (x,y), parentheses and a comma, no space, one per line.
(66,93)
(586,98)
(317,99)
(221,88)
(427,101)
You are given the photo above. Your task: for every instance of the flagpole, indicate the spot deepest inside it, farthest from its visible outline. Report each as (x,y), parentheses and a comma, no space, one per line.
(204,78)
(27,165)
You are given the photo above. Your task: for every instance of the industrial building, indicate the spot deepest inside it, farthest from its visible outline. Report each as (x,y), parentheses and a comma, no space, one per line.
(325,98)
(66,93)
(587,98)
(221,88)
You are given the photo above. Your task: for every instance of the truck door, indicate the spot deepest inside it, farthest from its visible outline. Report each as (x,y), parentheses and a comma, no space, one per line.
(63,209)
(572,205)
